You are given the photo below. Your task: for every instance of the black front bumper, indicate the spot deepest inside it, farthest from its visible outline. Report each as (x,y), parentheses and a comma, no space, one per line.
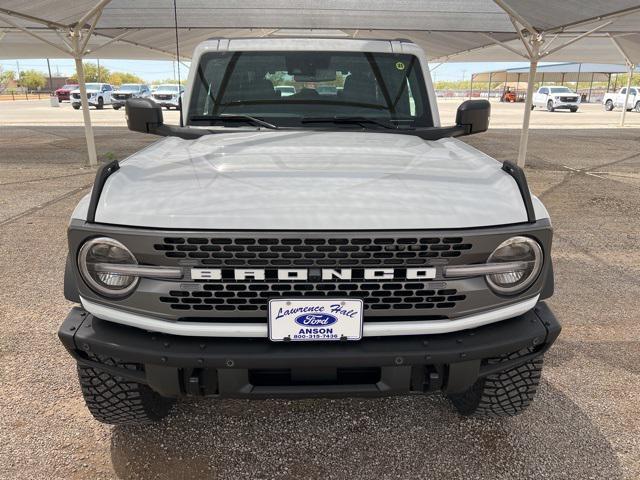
(242,367)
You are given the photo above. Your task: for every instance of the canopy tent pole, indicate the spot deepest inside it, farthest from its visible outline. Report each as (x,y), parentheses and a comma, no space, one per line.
(524,136)
(471,87)
(489,87)
(626,95)
(590,88)
(86,116)
(609,83)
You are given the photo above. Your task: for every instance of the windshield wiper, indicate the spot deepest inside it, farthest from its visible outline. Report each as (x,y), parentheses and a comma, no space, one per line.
(234,118)
(352,120)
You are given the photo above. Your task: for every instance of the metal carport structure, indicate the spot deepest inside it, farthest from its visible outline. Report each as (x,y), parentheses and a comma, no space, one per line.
(556,73)
(460,29)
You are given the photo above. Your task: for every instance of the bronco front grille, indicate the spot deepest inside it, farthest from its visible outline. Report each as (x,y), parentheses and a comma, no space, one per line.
(306,252)
(255,296)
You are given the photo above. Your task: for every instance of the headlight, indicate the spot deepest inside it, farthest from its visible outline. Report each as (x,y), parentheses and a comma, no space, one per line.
(524,252)
(101,251)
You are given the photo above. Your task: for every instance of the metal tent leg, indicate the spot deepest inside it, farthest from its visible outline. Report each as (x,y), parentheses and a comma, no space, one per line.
(88,130)
(524,135)
(626,95)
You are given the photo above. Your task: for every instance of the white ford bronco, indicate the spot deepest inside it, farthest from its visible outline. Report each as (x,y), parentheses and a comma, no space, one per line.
(337,241)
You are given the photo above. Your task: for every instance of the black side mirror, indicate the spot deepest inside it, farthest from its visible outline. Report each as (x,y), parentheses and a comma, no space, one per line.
(143,115)
(474,115)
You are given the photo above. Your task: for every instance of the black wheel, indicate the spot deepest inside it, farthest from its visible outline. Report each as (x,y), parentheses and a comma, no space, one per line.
(76,107)
(116,107)
(503,394)
(608,105)
(100,103)
(637,107)
(550,106)
(573,110)
(532,106)
(116,401)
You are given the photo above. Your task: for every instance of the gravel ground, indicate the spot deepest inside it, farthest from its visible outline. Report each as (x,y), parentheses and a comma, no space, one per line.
(585,422)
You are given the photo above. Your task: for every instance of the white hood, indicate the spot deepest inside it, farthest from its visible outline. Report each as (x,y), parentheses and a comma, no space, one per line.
(310,180)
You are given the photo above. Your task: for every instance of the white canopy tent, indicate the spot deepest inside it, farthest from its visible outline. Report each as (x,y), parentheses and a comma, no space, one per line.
(464,30)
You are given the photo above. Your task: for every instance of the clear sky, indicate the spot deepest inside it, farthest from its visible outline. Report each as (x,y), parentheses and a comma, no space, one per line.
(160,70)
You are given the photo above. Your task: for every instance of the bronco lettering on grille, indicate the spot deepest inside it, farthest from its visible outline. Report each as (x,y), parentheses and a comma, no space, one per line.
(293,274)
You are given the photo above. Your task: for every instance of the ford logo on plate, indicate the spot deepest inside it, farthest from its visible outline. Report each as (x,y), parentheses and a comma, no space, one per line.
(316,320)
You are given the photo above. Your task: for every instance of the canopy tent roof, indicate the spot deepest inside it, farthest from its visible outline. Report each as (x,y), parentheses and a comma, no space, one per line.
(145,28)
(597,47)
(568,72)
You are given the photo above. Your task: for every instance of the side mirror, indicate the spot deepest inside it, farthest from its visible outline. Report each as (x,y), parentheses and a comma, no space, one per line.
(473,116)
(143,115)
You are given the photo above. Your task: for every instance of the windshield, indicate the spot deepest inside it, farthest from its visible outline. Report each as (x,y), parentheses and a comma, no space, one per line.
(94,86)
(296,88)
(167,88)
(130,87)
(69,87)
(560,90)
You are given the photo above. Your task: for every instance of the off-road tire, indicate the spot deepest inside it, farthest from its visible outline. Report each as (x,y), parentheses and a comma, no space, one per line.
(116,107)
(608,106)
(503,394)
(637,107)
(573,110)
(550,106)
(76,107)
(117,401)
(100,105)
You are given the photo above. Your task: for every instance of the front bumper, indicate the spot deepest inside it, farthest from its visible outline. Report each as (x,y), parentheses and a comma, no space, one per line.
(566,104)
(91,103)
(167,103)
(256,368)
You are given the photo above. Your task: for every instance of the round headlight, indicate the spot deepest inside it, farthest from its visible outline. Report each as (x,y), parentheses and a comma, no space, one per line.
(104,250)
(526,256)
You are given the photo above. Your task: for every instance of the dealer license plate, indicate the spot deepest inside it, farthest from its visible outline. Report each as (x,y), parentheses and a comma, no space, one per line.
(315,320)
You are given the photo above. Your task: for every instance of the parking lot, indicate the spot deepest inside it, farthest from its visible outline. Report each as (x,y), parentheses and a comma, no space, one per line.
(585,422)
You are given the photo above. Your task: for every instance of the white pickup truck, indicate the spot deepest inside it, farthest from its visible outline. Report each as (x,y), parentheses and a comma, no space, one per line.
(616,100)
(336,241)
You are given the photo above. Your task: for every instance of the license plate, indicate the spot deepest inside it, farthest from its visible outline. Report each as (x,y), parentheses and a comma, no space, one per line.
(315,320)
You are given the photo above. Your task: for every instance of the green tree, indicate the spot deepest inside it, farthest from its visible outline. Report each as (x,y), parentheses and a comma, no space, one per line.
(91,73)
(118,78)
(6,77)
(167,81)
(32,79)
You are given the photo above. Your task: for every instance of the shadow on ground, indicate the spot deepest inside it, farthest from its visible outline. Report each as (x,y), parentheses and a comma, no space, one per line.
(354,438)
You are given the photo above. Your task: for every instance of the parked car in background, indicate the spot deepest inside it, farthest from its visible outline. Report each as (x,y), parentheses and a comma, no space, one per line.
(168,96)
(285,90)
(99,95)
(64,92)
(127,91)
(616,100)
(554,98)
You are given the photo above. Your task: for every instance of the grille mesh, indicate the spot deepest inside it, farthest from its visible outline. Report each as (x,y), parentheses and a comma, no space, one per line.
(254,296)
(306,252)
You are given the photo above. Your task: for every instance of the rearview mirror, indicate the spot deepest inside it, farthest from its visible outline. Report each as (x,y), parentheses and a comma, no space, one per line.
(143,115)
(473,116)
